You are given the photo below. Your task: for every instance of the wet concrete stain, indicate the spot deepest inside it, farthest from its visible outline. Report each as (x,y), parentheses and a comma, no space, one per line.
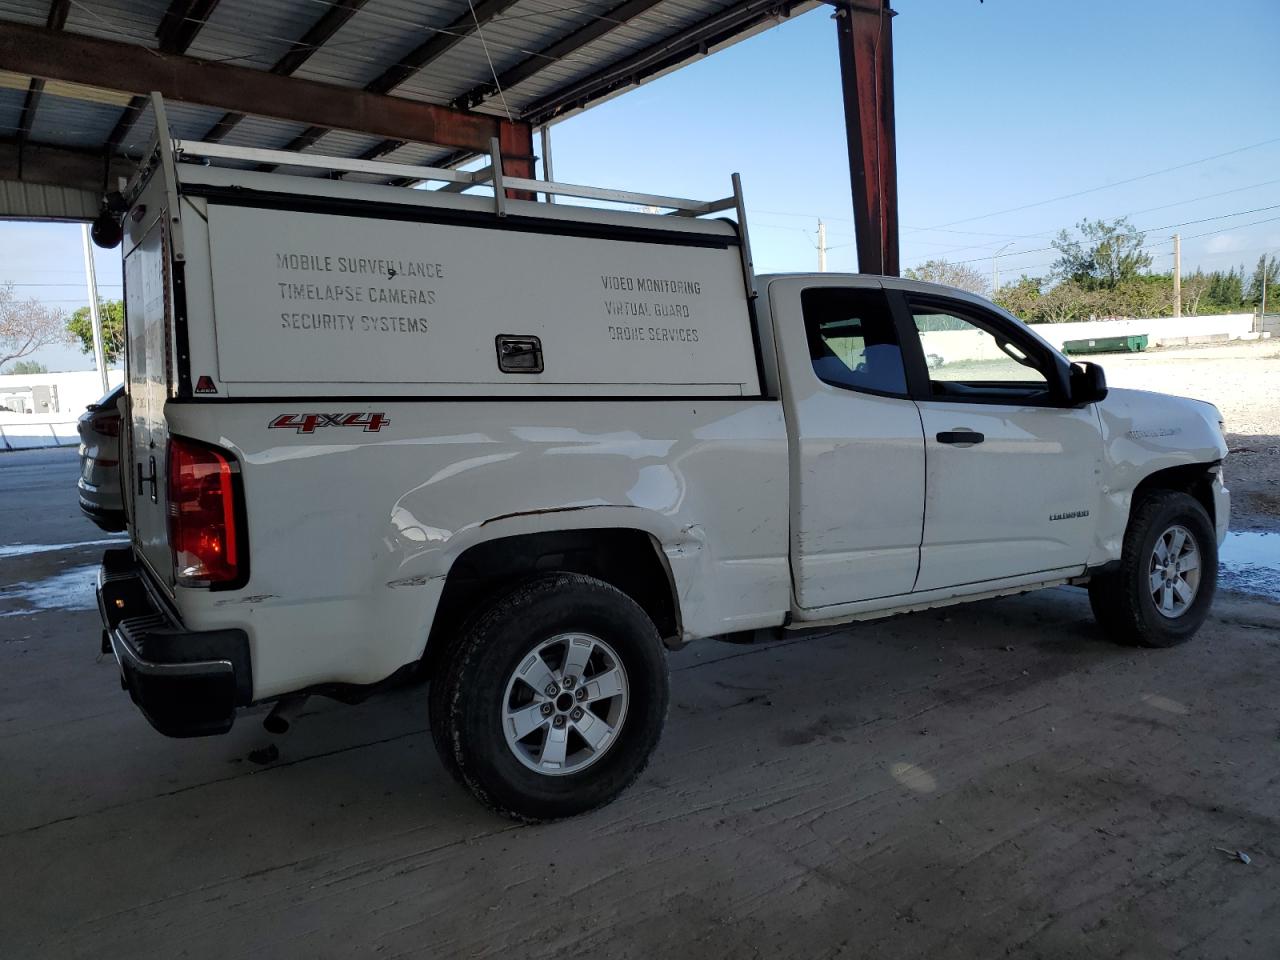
(1249,562)
(70,589)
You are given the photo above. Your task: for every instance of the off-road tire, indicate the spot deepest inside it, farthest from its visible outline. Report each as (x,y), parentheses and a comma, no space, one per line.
(467,693)
(1121,600)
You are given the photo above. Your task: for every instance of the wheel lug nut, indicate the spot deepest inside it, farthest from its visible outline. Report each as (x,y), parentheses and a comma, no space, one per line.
(559,720)
(568,683)
(551,690)
(546,709)
(576,715)
(582,693)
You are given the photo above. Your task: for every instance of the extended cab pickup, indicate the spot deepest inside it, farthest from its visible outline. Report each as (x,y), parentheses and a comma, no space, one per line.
(523,448)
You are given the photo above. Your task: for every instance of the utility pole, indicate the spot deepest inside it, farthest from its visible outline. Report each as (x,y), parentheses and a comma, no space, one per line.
(91,278)
(1177,275)
(822,246)
(1262,316)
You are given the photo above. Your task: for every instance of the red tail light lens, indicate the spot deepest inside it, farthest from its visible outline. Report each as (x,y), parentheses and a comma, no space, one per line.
(106,423)
(203,513)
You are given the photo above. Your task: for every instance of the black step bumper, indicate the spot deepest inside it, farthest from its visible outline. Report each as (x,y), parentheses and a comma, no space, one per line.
(186,683)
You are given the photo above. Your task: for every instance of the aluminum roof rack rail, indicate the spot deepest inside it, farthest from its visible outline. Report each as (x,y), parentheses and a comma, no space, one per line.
(167,151)
(453,181)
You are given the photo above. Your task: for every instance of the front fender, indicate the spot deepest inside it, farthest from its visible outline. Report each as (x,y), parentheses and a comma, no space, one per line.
(1143,434)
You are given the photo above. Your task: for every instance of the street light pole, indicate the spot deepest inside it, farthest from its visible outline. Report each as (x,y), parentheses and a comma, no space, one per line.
(995,268)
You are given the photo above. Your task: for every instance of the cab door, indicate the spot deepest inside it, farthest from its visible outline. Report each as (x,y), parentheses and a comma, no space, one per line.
(1013,470)
(857,445)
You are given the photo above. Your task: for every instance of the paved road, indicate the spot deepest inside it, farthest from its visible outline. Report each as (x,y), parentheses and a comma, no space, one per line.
(33,500)
(985,781)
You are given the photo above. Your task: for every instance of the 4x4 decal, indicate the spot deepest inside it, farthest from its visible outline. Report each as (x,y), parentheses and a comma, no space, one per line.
(310,422)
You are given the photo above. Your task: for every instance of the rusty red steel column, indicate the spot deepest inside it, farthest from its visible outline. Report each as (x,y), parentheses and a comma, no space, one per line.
(865,31)
(515,141)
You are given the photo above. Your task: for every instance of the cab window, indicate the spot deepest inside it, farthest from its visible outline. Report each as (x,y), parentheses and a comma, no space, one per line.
(970,358)
(852,342)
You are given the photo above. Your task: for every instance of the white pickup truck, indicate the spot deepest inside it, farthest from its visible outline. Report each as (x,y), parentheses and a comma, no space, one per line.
(522,448)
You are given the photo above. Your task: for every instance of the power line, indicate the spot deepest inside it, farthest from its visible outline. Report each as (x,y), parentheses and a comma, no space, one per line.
(1167,226)
(1021,236)
(1114,183)
(1207,196)
(1023,268)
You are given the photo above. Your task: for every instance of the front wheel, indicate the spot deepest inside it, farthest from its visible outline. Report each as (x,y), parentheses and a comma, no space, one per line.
(552,700)
(1168,572)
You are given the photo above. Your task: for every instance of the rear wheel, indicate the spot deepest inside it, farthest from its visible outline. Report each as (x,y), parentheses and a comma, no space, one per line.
(552,699)
(1168,573)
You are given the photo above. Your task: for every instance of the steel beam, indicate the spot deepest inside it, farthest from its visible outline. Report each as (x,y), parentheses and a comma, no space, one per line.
(865,33)
(182,22)
(515,141)
(60,166)
(129,68)
(57,18)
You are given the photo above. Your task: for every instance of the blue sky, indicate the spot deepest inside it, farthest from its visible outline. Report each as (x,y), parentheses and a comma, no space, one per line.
(1000,105)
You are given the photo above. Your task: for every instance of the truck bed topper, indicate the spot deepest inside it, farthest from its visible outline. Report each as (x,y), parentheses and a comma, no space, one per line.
(290,284)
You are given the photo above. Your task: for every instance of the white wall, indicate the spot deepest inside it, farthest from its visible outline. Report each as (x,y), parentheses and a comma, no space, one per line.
(76,390)
(955,345)
(1159,330)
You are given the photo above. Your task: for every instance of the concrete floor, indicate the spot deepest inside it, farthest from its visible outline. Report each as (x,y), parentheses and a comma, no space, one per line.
(987,780)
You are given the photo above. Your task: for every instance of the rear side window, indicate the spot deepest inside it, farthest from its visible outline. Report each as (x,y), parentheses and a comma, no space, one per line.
(852,341)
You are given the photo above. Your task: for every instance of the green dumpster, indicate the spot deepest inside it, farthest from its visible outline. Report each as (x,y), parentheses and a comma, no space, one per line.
(1134,343)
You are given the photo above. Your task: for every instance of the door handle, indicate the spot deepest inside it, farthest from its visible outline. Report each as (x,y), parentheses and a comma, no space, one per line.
(147,479)
(958,437)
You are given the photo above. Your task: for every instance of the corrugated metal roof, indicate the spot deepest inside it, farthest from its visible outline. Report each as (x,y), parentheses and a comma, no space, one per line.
(129,21)
(253,33)
(376,35)
(10,110)
(32,12)
(72,122)
(379,34)
(39,201)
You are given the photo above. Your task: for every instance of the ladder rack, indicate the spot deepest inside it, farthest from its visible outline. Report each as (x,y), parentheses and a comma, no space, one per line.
(453,181)
(169,152)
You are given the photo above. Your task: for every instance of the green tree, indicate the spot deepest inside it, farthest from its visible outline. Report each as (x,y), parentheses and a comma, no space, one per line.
(952,274)
(1065,301)
(1267,271)
(1102,256)
(1021,297)
(27,366)
(1142,295)
(1226,291)
(80,326)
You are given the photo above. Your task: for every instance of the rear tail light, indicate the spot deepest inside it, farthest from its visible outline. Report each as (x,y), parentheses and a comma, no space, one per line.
(106,422)
(205,515)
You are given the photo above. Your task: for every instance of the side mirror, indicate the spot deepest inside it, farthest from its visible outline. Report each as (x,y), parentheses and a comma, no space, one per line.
(1088,383)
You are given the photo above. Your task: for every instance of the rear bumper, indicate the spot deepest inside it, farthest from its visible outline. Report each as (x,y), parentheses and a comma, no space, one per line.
(109,521)
(186,683)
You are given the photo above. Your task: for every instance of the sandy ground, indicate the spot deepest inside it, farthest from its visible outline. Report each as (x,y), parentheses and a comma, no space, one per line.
(1243,381)
(985,781)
